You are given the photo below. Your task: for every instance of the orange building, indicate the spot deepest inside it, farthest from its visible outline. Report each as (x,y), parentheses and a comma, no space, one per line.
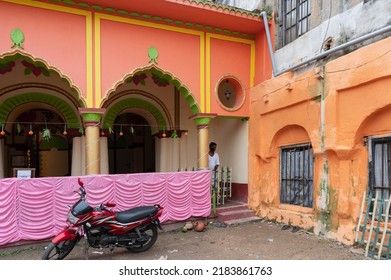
(320,137)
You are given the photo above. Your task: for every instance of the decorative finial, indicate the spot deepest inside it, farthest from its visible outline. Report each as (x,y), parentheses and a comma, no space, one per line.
(153,54)
(17,38)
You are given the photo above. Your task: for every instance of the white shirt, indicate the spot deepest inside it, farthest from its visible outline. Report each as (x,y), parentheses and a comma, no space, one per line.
(213,161)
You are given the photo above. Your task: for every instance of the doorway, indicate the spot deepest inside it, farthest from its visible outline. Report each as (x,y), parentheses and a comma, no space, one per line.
(131,145)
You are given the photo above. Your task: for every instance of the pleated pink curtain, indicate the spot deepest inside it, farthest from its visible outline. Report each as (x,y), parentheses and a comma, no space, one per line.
(34,209)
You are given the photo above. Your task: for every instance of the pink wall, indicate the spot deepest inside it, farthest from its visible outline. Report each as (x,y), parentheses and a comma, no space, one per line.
(62,45)
(124,47)
(229,57)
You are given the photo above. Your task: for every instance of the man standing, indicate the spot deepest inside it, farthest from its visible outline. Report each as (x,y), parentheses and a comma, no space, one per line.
(214,160)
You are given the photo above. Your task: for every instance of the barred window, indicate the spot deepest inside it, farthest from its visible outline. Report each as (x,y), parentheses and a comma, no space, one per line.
(295,19)
(380,166)
(296,175)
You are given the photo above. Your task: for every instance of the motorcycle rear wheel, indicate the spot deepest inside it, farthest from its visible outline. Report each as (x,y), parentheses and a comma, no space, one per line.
(150,232)
(58,251)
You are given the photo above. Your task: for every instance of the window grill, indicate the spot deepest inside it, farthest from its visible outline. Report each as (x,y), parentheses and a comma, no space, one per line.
(380,166)
(296,175)
(295,19)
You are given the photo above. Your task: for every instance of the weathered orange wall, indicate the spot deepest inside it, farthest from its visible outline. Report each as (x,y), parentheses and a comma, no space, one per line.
(55,36)
(350,98)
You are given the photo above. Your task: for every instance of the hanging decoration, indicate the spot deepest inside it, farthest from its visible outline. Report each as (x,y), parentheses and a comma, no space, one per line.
(65,132)
(174,134)
(46,134)
(47,131)
(131,129)
(18,129)
(31,130)
(81,130)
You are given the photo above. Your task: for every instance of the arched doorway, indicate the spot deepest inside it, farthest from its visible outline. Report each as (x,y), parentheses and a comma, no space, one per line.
(166,105)
(40,140)
(38,116)
(131,145)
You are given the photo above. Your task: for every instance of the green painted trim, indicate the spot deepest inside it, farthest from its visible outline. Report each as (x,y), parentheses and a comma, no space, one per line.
(202,120)
(114,111)
(172,80)
(45,71)
(71,118)
(171,21)
(91,117)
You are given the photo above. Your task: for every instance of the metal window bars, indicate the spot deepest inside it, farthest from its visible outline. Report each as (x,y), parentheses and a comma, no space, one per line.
(296,175)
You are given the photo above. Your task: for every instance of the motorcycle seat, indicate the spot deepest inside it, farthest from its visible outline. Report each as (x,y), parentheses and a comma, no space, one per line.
(135,214)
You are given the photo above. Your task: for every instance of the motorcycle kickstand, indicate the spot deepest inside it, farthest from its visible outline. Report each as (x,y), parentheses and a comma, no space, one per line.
(111,247)
(86,245)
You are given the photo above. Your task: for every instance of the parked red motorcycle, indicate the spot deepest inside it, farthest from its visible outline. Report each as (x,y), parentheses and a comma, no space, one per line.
(135,229)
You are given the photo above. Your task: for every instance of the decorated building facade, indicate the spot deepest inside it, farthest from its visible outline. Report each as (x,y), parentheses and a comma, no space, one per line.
(103,87)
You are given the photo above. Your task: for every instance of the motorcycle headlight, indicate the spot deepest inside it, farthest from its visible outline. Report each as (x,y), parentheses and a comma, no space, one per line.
(72,219)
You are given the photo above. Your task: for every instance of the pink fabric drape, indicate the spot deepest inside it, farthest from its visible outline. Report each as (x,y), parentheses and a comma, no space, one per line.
(34,209)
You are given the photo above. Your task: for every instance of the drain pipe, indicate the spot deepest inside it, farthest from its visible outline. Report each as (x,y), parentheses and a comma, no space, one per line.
(321,55)
(269,43)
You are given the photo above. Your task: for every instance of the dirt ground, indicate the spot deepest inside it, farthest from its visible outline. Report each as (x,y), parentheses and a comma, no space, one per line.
(251,241)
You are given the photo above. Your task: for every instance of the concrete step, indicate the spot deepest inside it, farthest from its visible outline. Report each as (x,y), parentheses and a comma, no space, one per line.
(231,208)
(243,220)
(235,214)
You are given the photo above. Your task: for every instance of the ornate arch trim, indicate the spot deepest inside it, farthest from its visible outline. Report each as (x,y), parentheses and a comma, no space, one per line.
(168,76)
(115,110)
(71,118)
(46,68)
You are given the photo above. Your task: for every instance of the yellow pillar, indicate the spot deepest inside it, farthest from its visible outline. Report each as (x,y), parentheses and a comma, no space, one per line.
(92,149)
(203,137)
(91,118)
(202,121)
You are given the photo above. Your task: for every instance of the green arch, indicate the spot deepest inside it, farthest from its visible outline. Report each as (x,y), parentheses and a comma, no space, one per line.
(170,79)
(71,118)
(114,111)
(177,83)
(46,71)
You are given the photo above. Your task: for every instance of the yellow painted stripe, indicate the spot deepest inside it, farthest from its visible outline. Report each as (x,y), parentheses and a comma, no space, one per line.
(202,74)
(100,16)
(98,72)
(89,61)
(74,11)
(207,70)
(208,64)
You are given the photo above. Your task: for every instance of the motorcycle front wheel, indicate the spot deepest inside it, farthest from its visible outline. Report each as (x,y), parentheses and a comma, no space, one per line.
(148,238)
(58,251)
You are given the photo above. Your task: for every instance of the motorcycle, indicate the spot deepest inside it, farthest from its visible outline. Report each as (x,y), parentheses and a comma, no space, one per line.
(135,229)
